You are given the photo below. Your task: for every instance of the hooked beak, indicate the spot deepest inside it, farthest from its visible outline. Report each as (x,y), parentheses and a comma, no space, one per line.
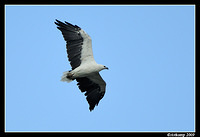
(107,68)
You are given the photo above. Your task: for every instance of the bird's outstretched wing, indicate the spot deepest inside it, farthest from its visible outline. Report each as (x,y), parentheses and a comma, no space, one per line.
(79,45)
(94,86)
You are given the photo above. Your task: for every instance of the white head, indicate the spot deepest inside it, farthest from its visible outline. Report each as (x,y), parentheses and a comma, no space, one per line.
(101,67)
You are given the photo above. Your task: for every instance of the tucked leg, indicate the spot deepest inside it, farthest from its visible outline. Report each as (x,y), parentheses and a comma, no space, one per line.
(70,75)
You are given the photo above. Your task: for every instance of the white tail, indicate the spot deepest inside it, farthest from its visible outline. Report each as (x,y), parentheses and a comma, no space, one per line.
(64,77)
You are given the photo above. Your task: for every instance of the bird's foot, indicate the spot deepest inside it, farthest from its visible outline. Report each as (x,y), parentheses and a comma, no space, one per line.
(70,75)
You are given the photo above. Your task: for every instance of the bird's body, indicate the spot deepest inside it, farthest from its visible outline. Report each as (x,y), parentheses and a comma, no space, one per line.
(84,68)
(82,71)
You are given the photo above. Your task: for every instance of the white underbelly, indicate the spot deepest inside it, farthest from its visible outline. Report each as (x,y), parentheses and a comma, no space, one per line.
(84,70)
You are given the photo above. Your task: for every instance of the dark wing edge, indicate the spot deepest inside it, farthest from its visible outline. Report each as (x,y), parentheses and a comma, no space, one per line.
(93,91)
(74,41)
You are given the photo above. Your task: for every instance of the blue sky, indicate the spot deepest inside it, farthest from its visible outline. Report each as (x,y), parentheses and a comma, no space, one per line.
(150,82)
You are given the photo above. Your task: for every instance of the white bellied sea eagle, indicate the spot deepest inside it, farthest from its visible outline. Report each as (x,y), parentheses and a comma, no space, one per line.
(84,68)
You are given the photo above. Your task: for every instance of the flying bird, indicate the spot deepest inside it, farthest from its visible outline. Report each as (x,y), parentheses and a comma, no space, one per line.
(85,70)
